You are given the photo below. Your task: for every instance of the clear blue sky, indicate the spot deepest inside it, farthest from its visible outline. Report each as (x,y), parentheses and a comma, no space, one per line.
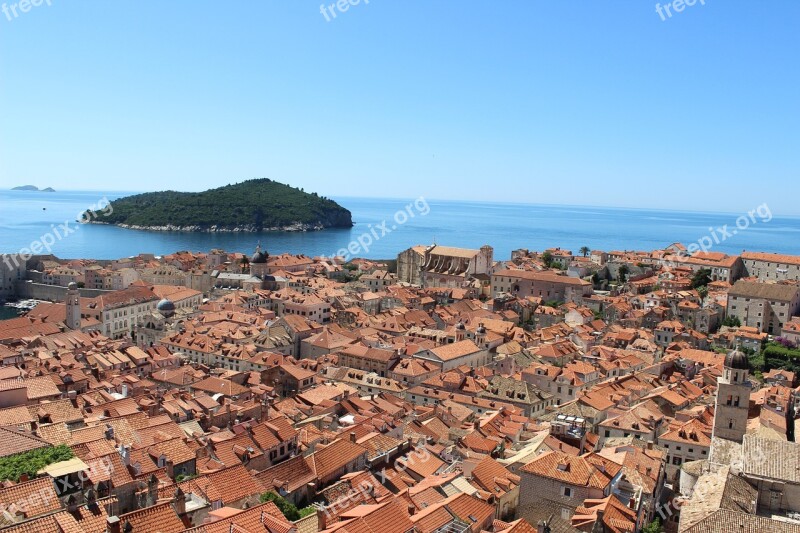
(566,102)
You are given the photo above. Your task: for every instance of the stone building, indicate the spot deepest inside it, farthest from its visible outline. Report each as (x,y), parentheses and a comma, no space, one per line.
(409,265)
(764,306)
(444,266)
(771,267)
(545,285)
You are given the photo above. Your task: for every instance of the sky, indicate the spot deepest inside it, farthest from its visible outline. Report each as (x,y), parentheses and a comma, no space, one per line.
(559,102)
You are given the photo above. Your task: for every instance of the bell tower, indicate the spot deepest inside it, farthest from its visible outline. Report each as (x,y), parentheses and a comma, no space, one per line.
(258,263)
(73,319)
(733,398)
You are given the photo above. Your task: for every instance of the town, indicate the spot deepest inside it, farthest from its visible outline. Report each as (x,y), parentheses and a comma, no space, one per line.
(445,390)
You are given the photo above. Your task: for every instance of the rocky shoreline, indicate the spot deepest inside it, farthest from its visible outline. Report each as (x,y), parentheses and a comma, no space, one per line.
(298,226)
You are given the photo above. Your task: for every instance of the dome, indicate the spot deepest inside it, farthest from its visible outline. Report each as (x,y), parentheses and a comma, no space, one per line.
(481,330)
(461,326)
(259,257)
(165,305)
(72,286)
(736,360)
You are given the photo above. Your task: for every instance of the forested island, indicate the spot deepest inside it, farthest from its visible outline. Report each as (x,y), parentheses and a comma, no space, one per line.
(249,206)
(32,188)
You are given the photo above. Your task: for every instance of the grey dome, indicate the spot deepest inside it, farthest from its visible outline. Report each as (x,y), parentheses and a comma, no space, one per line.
(258,257)
(165,305)
(72,286)
(736,360)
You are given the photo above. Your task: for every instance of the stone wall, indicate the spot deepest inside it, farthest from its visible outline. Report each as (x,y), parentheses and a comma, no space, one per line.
(53,293)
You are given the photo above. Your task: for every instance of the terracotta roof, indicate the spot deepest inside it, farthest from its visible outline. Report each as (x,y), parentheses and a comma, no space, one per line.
(159,518)
(576,471)
(328,459)
(33,498)
(13,442)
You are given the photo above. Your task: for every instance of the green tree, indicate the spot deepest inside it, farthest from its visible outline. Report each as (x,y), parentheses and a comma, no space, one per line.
(732,321)
(701,278)
(547,259)
(623,273)
(653,527)
(13,466)
(702,292)
(289,510)
(585,250)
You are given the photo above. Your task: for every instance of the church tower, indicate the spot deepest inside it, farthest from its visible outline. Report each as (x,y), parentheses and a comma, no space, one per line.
(258,263)
(733,398)
(73,320)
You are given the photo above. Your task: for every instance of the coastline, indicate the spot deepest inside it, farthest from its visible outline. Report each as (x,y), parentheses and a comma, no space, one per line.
(296,227)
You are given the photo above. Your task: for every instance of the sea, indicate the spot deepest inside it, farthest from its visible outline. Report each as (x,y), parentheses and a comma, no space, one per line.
(383,227)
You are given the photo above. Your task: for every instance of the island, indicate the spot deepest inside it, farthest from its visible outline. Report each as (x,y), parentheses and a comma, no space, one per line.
(250,206)
(32,188)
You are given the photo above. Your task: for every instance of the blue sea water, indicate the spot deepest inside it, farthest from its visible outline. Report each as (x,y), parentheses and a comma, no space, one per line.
(27,216)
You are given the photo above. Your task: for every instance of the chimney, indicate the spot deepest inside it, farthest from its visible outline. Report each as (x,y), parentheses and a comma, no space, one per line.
(72,504)
(411,510)
(353,437)
(113,525)
(152,490)
(125,454)
(180,502)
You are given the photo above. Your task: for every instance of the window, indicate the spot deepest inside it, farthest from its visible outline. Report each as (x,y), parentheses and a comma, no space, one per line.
(567,492)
